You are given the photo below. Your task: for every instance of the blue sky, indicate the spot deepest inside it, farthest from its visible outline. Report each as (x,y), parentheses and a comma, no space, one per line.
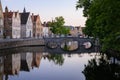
(49,9)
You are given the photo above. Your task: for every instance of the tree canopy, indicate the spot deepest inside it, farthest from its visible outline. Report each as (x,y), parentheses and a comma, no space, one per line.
(103,21)
(57,26)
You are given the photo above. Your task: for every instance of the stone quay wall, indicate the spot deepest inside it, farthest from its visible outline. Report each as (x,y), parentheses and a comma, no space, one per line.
(11,43)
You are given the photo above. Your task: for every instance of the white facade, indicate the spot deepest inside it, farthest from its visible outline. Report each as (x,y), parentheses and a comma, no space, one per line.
(16,25)
(29,27)
(45,31)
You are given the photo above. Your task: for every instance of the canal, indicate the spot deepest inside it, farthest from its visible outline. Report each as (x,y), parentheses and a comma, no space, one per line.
(34,63)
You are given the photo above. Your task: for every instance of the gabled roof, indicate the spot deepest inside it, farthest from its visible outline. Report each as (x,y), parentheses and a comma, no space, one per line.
(10,14)
(24,17)
(34,17)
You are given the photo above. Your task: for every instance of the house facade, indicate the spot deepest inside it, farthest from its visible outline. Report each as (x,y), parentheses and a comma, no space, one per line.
(1,21)
(37,26)
(76,31)
(26,25)
(12,27)
(46,30)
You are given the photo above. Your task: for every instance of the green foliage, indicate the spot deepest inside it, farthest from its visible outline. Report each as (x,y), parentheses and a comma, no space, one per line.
(57,26)
(84,4)
(103,21)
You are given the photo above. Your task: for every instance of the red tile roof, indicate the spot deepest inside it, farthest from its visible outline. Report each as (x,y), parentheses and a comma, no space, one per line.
(10,14)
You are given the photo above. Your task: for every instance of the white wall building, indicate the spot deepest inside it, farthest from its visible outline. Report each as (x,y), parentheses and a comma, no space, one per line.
(16,26)
(26,25)
(45,31)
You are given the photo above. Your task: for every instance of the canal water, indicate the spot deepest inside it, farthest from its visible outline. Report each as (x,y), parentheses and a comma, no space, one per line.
(35,64)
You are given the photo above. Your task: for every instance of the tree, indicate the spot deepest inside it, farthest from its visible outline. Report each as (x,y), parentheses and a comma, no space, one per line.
(57,26)
(102,21)
(84,4)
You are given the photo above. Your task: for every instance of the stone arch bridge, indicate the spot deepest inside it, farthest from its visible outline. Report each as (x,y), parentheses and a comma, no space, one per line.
(81,47)
(43,42)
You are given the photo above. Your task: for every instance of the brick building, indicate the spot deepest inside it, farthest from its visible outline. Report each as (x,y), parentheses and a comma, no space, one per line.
(37,26)
(12,27)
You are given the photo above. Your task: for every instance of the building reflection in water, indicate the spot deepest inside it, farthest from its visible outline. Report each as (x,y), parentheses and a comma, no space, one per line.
(1,68)
(36,60)
(14,63)
(100,67)
(26,61)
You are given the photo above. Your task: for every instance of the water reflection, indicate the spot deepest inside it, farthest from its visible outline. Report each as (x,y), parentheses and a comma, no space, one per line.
(56,58)
(69,45)
(12,64)
(102,68)
(38,65)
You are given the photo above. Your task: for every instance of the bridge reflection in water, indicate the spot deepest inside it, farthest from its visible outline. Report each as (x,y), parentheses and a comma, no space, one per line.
(45,66)
(46,49)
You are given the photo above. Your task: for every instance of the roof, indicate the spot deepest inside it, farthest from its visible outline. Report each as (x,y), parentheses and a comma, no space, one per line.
(10,14)
(24,17)
(34,17)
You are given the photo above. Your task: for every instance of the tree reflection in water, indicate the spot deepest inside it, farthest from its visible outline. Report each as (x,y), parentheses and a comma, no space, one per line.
(56,58)
(102,69)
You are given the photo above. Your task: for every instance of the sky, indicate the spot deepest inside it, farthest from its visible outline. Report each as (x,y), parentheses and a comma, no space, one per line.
(49,9)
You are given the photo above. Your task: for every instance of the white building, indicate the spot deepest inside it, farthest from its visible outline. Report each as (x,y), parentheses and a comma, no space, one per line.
(45,31)
(16,26)
(26,25)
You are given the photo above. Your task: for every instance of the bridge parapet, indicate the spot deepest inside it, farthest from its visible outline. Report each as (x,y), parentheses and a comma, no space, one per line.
(60,40)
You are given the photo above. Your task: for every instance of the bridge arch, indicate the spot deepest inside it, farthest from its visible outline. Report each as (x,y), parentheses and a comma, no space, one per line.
(55,43)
